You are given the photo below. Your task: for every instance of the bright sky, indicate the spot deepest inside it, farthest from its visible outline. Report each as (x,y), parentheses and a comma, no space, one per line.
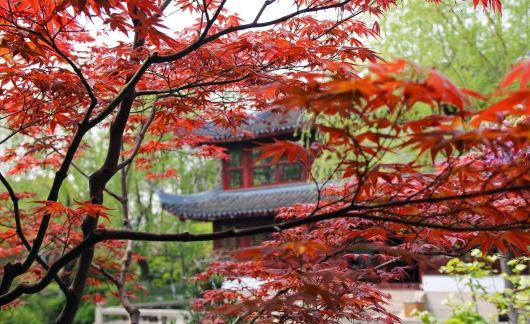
(245,9)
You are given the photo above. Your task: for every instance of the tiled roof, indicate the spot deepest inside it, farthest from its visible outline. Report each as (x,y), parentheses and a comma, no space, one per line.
(229,204)
(261,124)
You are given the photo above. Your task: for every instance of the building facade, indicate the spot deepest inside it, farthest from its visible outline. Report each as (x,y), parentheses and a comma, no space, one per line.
(252,189)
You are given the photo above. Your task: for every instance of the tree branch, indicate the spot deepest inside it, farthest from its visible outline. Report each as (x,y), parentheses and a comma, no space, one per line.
(266,3)
(11,269)
(200,42)
(138,143)
(100,235)
(188,86)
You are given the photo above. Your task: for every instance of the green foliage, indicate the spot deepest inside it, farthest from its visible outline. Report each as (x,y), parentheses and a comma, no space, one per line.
(85,314)
(461,313)
(170,265)
(481,266)
(464,314)
(20,315)
(41,308)
(518,296)
(474,48)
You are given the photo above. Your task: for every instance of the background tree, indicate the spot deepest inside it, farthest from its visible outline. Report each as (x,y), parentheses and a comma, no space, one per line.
(166,265)
(473,48)
(469,272)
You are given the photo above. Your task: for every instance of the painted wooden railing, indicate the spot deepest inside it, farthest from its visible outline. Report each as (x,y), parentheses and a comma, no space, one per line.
(147,315)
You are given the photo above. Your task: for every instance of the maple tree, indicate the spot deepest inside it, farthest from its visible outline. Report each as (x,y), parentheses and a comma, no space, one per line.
(70,68)
(461,182)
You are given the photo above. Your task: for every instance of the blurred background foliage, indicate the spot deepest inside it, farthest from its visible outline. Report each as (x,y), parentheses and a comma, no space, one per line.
(474,48)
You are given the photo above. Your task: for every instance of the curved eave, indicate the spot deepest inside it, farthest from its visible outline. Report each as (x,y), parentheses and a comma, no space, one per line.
(236,204)
(225,139)
(219,216)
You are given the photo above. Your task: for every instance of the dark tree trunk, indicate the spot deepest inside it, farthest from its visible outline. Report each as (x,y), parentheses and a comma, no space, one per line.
(97,182)
(144,270)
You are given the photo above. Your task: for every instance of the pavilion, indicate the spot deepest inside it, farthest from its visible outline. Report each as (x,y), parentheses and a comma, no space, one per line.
(252,190)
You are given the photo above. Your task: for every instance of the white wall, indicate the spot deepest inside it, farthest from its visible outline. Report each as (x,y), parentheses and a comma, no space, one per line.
(444,283)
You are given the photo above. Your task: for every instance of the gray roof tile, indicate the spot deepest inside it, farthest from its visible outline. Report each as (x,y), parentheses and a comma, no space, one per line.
(230,204)
(260,124)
